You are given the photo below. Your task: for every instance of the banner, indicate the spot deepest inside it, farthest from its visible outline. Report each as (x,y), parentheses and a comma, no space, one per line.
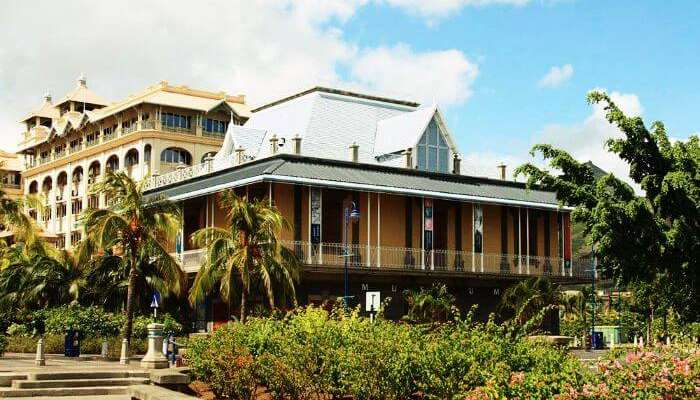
(315,215)
(478,229)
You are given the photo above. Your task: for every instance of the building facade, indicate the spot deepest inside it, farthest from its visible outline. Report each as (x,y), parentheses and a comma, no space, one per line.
(11,167)
(323,154)
(69,144)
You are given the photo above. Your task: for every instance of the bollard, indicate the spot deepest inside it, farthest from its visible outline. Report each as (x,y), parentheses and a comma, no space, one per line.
(124,357)
(105,349)
(154,357)
(668,340)
(40,360)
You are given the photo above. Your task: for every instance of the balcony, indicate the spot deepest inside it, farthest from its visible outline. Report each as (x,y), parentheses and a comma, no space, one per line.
(129,129)
(331,256)
(212,134)
(186,173)
(148,124)
(178,129)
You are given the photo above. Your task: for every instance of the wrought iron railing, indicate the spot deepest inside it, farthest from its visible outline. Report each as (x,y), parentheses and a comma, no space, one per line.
(412,259)
(178,129)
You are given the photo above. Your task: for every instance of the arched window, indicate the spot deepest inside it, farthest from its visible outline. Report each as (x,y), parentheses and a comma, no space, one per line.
(33,187)
(112,163)
(132,158)
(62,179)
(77,175)
(93,172)
(209,154)
(147,153)
(47,185)
(433,151)
(175,155)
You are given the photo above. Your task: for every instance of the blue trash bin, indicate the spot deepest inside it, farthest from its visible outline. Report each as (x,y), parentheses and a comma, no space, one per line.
(72,344)
(597,341)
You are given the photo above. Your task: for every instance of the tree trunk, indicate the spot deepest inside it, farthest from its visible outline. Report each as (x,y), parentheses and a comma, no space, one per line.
(130,294)
(244,298)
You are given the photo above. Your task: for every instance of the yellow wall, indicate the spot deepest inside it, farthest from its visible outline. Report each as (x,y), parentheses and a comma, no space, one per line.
(284,201)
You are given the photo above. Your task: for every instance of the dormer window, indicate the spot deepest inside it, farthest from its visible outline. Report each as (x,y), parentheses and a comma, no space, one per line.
(433,153)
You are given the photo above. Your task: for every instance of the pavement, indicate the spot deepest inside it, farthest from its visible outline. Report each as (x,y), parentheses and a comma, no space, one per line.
(11,362)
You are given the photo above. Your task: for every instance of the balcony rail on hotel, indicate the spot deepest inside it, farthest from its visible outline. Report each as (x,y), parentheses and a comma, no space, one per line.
(189,172)
(412,259)
(179,129)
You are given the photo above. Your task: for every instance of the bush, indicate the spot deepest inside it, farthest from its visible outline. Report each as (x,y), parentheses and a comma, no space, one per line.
(170,325)
(90,321)
(315,354)
(18,330)
(53,344)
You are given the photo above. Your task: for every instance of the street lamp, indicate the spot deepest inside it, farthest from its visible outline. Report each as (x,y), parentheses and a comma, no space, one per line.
(352,214)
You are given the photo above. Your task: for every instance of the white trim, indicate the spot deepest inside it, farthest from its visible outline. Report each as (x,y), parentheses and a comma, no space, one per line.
(369,226)
(367,187)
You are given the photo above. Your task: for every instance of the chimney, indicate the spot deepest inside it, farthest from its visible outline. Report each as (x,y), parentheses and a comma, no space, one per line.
(354,152)
(409,157)
(47,97)
(456,165)
(82,81)
(297,144)
(240,153)
(273,144)
(501,171)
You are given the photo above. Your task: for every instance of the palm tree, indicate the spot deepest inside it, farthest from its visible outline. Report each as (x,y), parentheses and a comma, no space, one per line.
(14,219)
(246,253)
(525,299)
(135,228)
(432,305)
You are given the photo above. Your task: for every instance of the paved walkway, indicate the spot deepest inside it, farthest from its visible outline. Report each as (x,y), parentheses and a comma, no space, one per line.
(11,362)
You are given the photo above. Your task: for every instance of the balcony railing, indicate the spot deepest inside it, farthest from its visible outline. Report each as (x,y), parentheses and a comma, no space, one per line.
(129,129)
(185,173)
(179,129)
(412,259)
(212,134)
(148,124)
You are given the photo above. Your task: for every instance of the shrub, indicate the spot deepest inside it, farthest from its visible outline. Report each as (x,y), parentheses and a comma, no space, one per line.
(53,344)
(315,354)
(18,330)
(90,321)
(170,325)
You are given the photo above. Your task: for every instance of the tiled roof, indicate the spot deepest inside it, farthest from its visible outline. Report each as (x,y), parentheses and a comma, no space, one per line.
(371,177)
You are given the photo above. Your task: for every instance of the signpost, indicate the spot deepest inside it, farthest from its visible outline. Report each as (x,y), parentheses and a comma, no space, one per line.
(373,301)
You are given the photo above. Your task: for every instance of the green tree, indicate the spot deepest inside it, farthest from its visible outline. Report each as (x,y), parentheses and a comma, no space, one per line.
(647,239)
(137,229)
(435,304)
(245,254)
(524,300)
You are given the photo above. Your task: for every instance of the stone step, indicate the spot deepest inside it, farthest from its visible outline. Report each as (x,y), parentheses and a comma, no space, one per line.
(6,378)
(73,383)
(76,391)
(67,375)
(103,397)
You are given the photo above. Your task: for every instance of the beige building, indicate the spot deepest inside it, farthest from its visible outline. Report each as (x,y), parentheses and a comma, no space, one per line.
(11,167)
(70,143)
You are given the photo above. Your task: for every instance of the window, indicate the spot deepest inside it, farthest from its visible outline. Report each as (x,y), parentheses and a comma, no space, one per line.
(214,125)
(433,151)
(176,120)
(176,156)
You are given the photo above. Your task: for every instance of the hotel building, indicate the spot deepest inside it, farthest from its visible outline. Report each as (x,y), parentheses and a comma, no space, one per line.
(323,152)
(68,144)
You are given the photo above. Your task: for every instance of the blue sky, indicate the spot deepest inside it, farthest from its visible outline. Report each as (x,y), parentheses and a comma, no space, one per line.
(485,62)
(647,48)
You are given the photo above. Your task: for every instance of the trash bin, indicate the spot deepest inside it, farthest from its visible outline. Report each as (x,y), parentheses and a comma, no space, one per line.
(72,344)
(597,339)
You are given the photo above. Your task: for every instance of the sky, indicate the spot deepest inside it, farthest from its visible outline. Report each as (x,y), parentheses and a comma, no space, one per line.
(507,74)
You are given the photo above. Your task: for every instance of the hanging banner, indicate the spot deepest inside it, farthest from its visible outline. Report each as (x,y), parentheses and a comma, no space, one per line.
(315,215)
(478,229)
(428,223)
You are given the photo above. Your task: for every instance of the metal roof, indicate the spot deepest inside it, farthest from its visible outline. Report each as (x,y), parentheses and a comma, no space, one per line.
(293,169)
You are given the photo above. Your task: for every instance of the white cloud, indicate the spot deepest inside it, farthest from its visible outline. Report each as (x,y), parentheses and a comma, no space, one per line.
(436,9)
(586,140)
(556,76)
(264,49)
(442,76)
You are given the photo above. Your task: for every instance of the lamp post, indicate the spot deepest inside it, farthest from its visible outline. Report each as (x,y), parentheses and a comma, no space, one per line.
(352,214)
